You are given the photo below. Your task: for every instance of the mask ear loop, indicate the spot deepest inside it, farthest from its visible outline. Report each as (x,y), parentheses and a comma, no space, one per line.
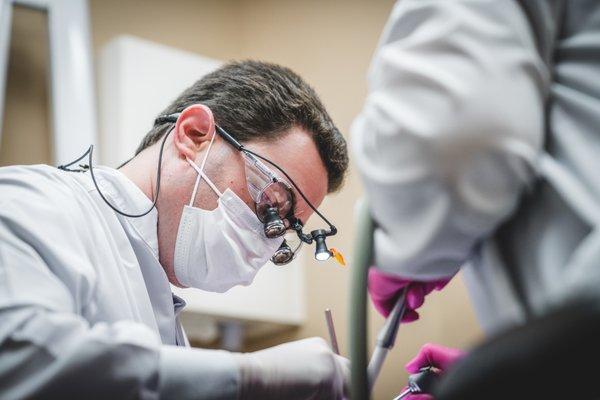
(201,173)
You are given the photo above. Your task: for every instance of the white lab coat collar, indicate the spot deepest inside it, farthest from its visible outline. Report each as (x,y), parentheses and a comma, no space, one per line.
(128,197)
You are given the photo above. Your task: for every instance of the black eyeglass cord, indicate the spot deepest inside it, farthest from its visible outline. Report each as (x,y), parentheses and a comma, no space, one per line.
(90,167)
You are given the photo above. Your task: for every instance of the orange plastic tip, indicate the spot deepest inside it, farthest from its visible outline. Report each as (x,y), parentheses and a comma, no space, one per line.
(339,257)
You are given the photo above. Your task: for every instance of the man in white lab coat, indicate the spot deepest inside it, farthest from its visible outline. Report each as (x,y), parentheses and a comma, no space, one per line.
(479,147)
(86,309)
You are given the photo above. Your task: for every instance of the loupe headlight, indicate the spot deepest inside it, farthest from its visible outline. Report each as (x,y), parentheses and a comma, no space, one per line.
(322,253)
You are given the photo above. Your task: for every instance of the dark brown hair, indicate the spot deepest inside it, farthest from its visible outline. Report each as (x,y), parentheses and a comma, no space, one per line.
(258,100)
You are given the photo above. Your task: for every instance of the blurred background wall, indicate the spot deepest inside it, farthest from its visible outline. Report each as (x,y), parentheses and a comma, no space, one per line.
(26,122)
(329,43)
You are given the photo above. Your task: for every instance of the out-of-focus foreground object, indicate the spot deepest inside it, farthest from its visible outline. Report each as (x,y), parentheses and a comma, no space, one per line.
(363,256)
(552,357)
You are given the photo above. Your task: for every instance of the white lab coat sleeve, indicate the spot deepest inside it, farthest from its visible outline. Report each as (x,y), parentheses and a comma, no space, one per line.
(187,373)
(49,351)
(450,83)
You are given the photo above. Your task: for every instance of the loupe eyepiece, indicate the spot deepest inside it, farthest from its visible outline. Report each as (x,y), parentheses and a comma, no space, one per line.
(273,224)
(283,255)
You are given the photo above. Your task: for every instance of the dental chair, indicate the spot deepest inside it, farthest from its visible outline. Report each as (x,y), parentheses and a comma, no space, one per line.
(552,357)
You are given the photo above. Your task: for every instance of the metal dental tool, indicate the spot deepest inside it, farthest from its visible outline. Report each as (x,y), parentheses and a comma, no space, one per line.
(331,329)
(386,338)
(420,382)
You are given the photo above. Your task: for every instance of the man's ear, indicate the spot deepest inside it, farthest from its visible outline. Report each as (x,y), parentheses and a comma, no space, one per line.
(194,128)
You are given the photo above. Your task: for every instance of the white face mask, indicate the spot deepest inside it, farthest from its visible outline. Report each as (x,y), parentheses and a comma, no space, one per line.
(219,249)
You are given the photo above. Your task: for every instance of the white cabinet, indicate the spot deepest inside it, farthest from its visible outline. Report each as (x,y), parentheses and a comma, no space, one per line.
(137,80)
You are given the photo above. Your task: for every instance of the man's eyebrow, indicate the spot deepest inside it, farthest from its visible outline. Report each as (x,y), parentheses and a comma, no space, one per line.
(295,196)
(296,214)
(293,210)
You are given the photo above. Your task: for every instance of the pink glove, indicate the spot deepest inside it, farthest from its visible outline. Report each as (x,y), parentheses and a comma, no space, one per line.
(385,288)
(432,355)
